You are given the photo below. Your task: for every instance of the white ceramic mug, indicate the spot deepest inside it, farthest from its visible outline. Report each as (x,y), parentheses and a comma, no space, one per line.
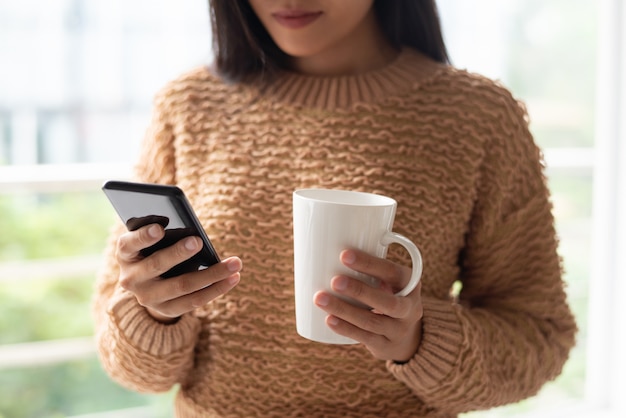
(326,222)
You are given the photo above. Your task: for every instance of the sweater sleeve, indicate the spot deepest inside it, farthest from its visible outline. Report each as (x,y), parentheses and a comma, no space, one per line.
(511,329)
(137,351)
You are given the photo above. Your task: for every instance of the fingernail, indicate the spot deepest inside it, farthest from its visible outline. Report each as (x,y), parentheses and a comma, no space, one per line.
(191,244)
(349,257)
(340,283)
(233,280)
(154,231)
(234,265)
(322,300)
(332,320)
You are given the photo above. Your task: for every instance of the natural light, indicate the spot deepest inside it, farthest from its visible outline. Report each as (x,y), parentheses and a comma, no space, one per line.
(76,82)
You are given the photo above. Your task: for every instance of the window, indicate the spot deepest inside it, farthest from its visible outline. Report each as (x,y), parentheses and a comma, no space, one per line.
(77,81)
(566,60)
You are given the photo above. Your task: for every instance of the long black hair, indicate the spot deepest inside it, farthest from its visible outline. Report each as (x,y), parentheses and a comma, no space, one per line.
(243,49)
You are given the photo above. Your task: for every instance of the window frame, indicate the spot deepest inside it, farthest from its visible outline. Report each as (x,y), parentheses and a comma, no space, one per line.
(606,367)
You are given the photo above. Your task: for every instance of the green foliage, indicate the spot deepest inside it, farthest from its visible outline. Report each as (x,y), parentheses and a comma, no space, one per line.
(53,225)
(73,388)
(45,309)
(34,309)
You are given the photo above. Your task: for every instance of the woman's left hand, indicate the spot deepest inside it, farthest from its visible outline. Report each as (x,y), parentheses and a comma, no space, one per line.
(392,328)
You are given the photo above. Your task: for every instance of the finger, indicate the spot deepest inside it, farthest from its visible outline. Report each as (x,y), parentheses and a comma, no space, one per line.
(361,318)
(130,243)
(135,274)
(388,271)
(378,299)
(176,307)
(186,284)
(163,260)
(400,347)
(352,331)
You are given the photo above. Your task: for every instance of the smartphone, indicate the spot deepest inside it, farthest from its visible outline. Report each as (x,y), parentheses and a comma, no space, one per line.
(140,204)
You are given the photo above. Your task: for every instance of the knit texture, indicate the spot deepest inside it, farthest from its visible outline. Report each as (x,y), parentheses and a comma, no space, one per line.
(451,147)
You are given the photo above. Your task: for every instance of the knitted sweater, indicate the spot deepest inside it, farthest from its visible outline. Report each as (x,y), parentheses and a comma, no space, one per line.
(451,147)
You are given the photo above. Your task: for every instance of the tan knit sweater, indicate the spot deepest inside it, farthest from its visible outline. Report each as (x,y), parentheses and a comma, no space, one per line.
(452,148)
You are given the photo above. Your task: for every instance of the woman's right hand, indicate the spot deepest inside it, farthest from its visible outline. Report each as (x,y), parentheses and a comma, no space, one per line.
(168,299)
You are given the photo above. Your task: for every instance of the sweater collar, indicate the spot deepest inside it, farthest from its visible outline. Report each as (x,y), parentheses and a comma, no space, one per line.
(409,69)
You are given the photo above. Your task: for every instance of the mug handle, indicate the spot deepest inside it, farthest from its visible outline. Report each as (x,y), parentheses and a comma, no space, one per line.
(416,259)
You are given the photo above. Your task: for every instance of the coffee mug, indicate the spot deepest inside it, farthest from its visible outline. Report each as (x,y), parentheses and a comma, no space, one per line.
(326,222)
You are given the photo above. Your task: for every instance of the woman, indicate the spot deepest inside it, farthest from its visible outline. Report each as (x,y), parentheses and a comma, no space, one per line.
(353,94)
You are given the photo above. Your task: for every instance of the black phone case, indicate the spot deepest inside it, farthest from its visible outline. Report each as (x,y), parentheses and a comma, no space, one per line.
(140,204)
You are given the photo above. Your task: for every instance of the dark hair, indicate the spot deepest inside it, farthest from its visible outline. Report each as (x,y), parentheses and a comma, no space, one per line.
(243,49)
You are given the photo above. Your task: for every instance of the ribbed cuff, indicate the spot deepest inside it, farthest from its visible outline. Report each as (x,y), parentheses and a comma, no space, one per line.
(147,334)
(438,354)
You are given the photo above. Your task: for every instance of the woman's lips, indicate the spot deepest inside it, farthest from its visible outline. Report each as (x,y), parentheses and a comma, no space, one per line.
(294,19)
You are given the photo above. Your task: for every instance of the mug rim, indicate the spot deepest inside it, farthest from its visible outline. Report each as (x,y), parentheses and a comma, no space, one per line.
(339,197)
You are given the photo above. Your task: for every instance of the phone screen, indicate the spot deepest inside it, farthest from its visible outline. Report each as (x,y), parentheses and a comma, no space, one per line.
(140,204)
(133,207)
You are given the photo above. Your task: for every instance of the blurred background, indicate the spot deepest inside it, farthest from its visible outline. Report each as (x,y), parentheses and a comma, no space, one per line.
(76,82)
